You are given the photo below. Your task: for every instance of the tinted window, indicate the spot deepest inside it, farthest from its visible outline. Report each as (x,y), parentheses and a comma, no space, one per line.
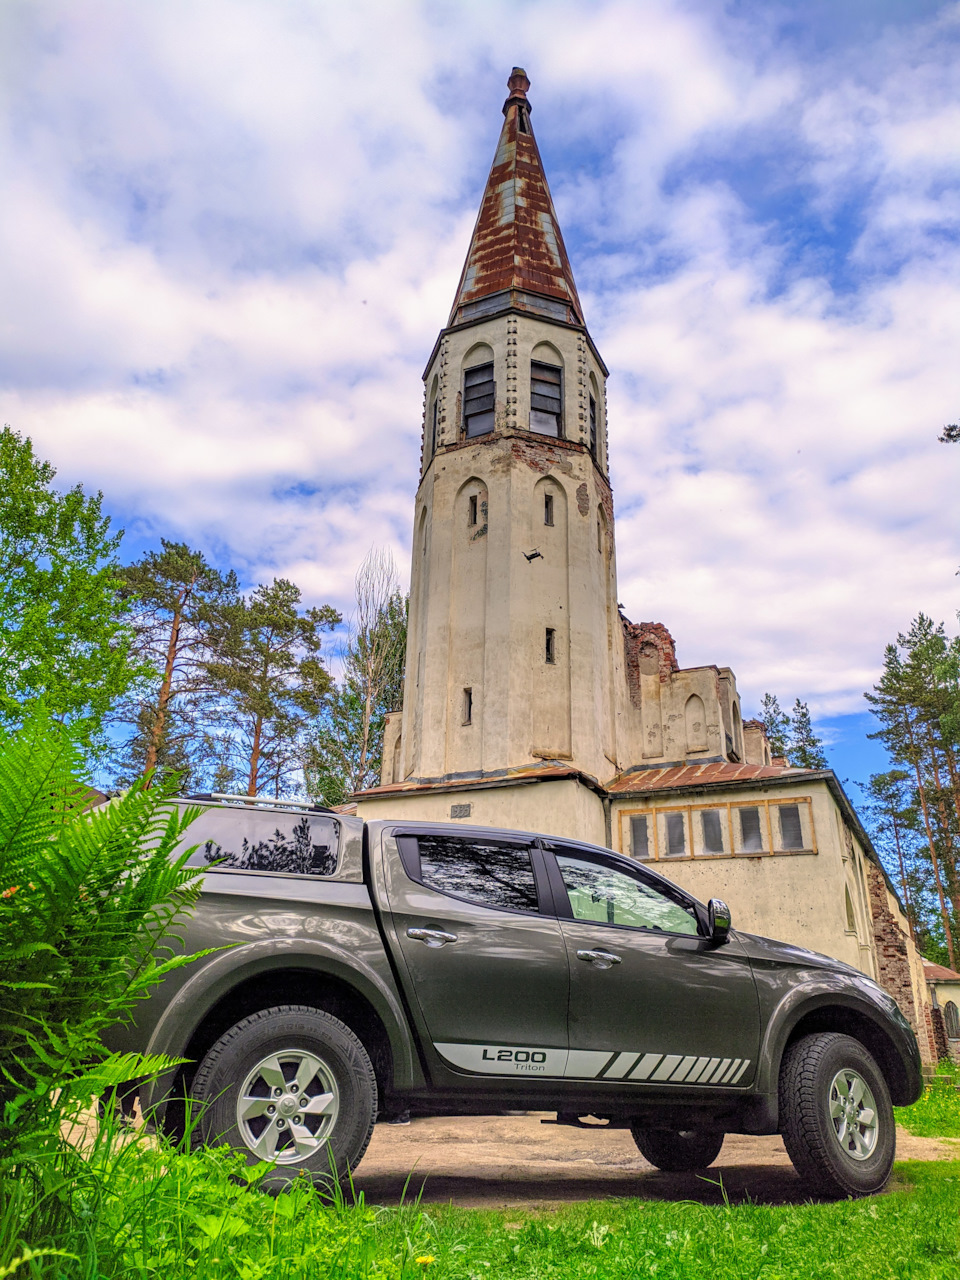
(608,895)
(496,875)
(237,840)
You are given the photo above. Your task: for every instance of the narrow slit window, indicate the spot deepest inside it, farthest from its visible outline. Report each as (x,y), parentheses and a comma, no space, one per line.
(593,426)
(473,508)
(791,831)
(639,837)
(433,427)
(478,400)
(548,508)
(599,535)
(468,706)
(545,399)
(550,645)
(676,835)
(751,836)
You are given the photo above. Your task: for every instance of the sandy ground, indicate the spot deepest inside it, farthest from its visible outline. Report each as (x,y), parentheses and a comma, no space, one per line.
(515,1161)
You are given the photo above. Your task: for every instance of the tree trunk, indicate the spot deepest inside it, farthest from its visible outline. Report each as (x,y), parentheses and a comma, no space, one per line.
(255,756)
(156,732)
(911,918)
(944,909)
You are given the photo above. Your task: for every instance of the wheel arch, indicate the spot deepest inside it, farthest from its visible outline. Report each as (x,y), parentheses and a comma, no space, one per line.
(830,1012)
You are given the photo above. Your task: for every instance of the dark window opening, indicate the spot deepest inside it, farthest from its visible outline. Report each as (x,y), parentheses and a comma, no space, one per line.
(751,838)
(468,706)
(492,874)
(478,400)
(433,427)
(593,426)
(951,1020)
(545,399)
(473,508)
(712,831)
(676,835)
(550,647)
(791,832)
(522,124)
(639,837)
(548,508)
(599,535)
(229,839)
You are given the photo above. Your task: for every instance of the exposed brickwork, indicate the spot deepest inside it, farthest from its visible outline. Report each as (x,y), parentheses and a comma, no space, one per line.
(643,642)
(893,962)
(583,499)
(938,1034)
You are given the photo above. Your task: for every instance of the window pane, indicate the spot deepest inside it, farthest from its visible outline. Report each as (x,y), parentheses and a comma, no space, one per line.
(712,831)
(544,398)
(495,875)
(604,895)
(639,837)
(545,372)
(952,1020)
(479,424)
(545,424)
(480,373)
(791,834)
(751,840)
(676,835)
(233,840)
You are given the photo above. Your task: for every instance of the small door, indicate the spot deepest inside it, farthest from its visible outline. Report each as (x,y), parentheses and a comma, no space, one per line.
(486,969)
(647,988)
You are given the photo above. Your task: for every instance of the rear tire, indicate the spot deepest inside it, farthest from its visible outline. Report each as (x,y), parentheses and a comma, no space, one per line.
(836,1116)
(678,1150)
(292,1086)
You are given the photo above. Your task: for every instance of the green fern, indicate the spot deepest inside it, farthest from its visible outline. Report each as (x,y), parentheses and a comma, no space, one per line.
(85,897)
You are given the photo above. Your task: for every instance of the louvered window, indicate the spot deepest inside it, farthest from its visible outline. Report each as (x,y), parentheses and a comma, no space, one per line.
(478,400)
(593,426)
(545,399)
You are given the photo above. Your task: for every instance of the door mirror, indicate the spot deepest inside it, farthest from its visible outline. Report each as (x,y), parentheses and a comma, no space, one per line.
(719,917)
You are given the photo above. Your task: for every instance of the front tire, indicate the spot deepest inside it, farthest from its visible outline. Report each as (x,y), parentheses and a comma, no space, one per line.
(292,1086)
(678,1150)
(836,1116)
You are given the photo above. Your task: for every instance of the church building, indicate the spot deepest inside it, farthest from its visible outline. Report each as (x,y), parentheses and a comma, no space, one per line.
(530,700)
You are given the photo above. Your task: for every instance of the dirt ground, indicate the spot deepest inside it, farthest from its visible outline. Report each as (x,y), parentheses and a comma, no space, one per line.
(488,1162)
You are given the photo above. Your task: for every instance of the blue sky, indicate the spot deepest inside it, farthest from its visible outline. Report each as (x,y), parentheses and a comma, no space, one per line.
(232,229)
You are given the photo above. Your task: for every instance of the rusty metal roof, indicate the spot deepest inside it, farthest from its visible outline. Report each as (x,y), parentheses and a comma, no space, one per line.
(714,773)
(939,972)
(517,250)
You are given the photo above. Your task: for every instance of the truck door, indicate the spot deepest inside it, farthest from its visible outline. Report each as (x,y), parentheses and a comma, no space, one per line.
(485,968)
(646,987)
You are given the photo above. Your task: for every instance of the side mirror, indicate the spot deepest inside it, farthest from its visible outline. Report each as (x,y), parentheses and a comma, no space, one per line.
(719,916)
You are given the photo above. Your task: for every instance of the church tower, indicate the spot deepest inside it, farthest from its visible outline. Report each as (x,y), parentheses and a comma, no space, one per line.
(515,649)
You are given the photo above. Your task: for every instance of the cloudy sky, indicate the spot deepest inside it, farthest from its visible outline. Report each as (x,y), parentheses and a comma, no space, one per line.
(232,228)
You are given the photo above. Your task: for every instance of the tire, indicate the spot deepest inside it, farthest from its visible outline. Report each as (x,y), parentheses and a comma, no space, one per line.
(678,1150)
(836,1116)
(322,1126)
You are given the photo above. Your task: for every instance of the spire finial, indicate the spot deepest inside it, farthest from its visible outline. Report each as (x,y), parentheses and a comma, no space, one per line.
(518,84)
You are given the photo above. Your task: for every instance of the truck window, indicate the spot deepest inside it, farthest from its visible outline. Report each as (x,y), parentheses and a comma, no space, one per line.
(607,895)
(494,875)
(229,839)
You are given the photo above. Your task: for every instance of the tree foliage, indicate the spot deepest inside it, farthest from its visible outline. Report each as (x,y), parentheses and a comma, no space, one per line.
(175,599)
(270,681)
(917,702)
(64,640)
(345,755)
(792,736)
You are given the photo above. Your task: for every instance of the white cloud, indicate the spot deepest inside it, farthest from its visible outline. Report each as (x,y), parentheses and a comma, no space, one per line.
(232,230)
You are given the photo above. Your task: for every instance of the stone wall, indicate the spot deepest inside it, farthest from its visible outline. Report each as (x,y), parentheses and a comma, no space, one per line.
(893,947)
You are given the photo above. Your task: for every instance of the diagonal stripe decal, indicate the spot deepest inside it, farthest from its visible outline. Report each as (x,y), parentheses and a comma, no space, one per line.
(593,1064)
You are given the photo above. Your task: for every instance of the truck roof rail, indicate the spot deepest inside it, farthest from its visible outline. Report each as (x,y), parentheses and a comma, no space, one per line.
(270,802)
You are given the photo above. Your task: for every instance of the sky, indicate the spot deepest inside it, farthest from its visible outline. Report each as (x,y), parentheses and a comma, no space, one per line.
(232,229)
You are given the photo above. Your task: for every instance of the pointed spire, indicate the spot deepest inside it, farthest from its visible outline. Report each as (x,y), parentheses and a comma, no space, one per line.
(517,256)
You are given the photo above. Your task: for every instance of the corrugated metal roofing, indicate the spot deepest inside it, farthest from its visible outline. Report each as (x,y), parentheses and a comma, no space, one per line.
(939,972)
(698,775)
(516,242)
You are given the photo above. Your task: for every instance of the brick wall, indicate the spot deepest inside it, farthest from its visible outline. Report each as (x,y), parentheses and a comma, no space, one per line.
(893,962)
(646,636)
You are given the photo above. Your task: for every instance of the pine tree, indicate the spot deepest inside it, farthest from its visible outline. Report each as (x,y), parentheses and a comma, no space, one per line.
(805,749)
(174,599)
(271,680)
(776,723)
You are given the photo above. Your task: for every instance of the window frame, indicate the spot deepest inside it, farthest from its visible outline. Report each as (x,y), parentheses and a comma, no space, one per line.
(769,821)
(630,868)
(558,369)
(487,364)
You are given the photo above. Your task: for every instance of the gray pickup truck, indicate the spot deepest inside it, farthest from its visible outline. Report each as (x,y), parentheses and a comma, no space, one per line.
(365,969)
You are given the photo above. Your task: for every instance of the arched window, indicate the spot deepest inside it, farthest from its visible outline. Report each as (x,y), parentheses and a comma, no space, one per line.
(851,917)
(594,398)
(695,723)
(546,399)
(951,1020)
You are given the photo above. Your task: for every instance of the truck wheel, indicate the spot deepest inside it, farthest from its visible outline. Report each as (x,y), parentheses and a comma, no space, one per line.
(292,1086)
(678,1150)
(835,1116)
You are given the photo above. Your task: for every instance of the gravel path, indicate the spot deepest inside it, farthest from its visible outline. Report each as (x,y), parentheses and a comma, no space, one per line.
(515,1161)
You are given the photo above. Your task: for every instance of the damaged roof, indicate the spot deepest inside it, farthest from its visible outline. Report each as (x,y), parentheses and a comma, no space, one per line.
(517,249)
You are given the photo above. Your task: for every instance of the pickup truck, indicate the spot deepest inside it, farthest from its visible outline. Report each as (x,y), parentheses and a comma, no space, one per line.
(357,970)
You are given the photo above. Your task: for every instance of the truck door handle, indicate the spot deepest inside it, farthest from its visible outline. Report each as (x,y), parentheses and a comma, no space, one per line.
(600,959)
(432,937)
